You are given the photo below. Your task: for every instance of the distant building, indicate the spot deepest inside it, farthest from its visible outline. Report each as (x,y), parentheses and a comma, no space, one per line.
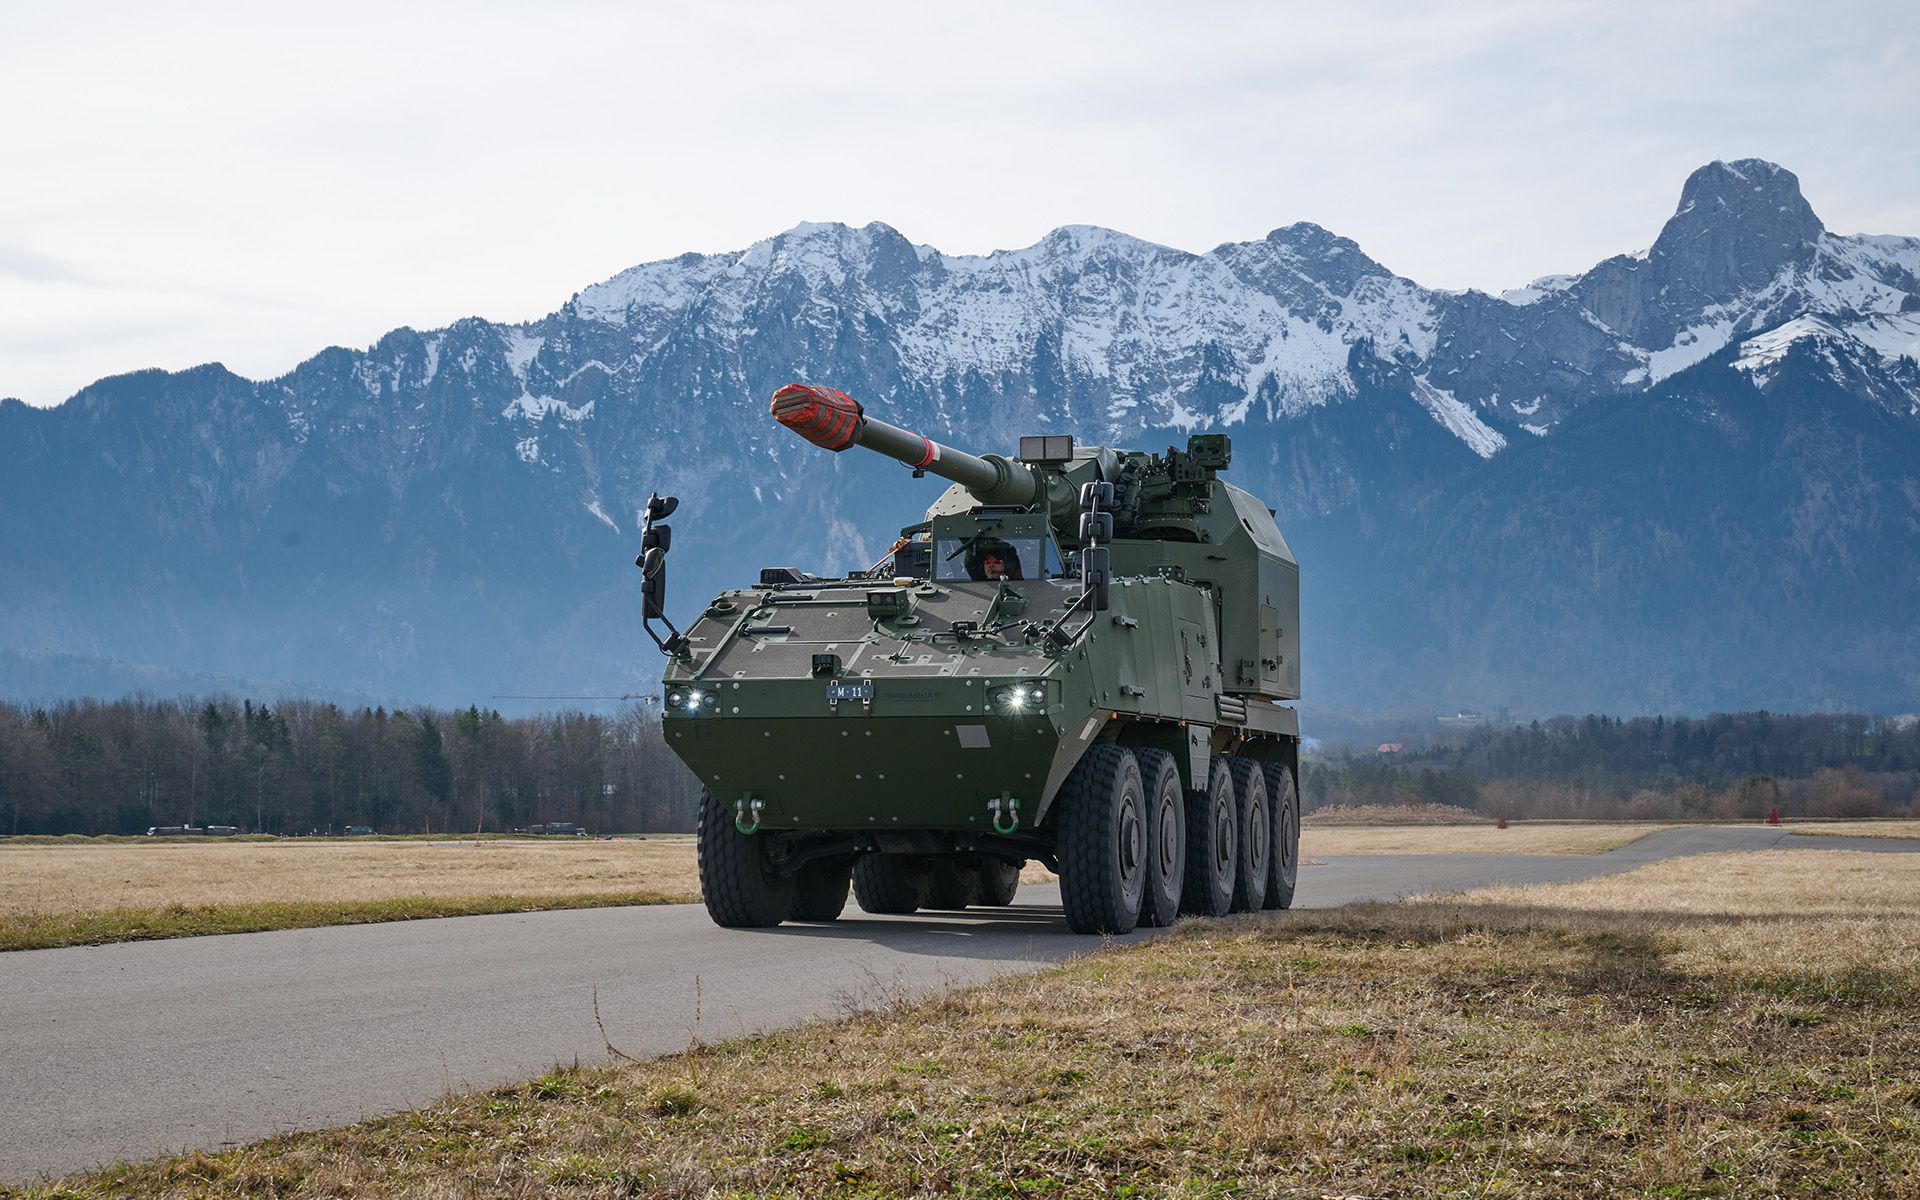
(1391,747)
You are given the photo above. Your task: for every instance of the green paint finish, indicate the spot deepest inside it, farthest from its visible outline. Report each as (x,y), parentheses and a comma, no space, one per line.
(921,703)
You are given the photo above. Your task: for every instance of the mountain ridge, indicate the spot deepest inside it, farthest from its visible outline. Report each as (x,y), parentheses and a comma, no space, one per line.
(361,517)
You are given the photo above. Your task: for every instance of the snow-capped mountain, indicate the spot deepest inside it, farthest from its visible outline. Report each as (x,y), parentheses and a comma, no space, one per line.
(1263,330)
(1743,253)
(449,514)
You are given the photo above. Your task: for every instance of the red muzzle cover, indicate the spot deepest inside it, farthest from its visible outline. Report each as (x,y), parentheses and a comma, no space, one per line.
(821,415)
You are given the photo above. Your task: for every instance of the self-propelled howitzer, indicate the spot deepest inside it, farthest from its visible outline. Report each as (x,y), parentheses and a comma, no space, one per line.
(1079,657)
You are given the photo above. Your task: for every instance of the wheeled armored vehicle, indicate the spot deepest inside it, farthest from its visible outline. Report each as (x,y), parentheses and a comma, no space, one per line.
(1079,658)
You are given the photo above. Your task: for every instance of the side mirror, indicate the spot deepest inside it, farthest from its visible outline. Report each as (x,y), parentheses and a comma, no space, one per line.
(1098,572)
(653,593)
(1096,529)
(655,541)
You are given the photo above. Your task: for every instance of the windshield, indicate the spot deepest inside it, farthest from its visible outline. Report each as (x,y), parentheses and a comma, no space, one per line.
(988,557)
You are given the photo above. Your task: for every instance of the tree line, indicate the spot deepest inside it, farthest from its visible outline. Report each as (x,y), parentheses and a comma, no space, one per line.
(1728,765)
(296,766)
(123,766)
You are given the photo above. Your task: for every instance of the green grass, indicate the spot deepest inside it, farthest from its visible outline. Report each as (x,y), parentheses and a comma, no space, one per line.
(45,930)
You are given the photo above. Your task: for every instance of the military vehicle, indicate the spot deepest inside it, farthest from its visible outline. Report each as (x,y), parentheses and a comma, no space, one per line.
(1078,658)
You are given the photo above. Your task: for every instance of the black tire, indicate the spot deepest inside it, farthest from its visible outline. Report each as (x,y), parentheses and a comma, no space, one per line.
(999,880)
(889,883)
(820,890)
(1285,863)
(951,884)
(1256,834)
(1102,842)
(739,890)
(1166,837)
(1212,831)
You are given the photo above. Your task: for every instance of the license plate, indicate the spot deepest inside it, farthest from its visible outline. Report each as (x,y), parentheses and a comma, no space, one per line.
(862,691)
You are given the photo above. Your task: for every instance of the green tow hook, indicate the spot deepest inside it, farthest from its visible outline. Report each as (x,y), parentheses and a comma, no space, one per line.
(741,808)
(1007,807)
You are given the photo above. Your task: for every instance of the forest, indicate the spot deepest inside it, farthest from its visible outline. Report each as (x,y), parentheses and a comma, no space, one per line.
(299,767)
(1728,765)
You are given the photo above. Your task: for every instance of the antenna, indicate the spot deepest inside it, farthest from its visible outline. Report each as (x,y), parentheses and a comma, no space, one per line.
(643,697)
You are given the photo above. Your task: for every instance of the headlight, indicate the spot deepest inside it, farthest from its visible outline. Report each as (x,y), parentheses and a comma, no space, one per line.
(1020,697)
(691,701)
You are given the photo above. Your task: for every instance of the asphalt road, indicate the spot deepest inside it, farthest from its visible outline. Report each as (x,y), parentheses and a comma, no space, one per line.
(146,1048)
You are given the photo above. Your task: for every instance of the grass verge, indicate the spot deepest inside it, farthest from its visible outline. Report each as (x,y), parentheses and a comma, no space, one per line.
(31,930)
(1896,828)
(68,894)
(1532,1042)
(1471,839)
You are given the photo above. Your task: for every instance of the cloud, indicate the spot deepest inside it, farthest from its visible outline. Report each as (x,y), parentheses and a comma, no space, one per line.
(299,175)
(33,267)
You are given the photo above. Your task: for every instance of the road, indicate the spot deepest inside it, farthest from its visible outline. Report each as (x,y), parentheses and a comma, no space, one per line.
(146,1048)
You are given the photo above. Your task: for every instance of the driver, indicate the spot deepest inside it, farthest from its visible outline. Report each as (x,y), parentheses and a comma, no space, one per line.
(994,559)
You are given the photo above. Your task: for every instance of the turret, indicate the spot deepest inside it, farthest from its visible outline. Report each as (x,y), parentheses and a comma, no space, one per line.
(834,420)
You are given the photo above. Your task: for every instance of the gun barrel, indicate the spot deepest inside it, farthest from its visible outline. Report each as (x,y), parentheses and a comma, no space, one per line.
(834,420)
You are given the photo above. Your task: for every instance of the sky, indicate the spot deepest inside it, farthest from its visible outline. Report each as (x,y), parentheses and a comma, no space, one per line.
(249,183)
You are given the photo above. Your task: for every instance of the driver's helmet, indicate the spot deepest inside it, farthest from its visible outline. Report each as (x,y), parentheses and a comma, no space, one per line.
(986,548)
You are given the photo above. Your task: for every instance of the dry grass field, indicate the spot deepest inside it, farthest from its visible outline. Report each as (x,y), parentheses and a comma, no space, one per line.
(73,893)
(1899,829)
(62,893)
(70,892)
(1774,913)
(1470,839)
(1318,840)
(1719,1026)
(71,878)
(1394,814)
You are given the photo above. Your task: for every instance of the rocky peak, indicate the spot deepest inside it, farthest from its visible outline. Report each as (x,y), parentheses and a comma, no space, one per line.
(1313,245)
(1737,225)
(1303,265)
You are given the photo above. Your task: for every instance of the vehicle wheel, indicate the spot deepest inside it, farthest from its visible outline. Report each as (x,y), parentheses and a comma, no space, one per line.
(951,884)
(1256,834)
(1102,842)
(1212,826)
(999,880)
(739,890)
(820,890)
(889,883)
(1285,867)
(1166,837)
